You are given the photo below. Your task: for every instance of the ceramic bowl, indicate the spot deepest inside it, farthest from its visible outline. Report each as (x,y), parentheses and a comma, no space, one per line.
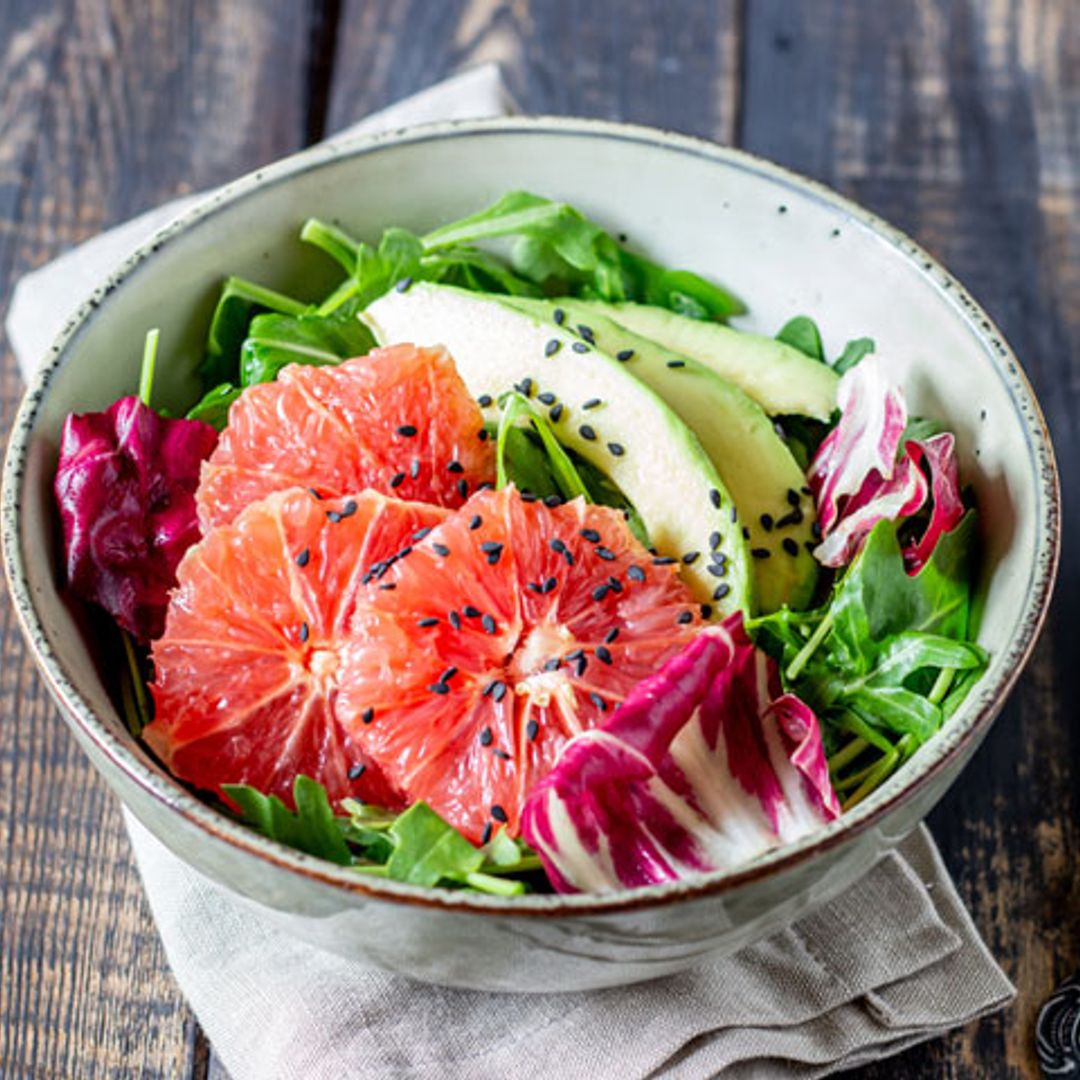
(787,245)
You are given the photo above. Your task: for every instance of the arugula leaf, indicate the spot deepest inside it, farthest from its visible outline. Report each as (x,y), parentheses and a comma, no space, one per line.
(802,333)
(471,268)
(311,828)
(213,407)
(239,300)
(427,849)
(854,351)
(274,341)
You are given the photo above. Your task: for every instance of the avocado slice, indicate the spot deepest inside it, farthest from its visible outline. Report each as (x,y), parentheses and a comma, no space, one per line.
(631,434)
(777,376)
(754,462)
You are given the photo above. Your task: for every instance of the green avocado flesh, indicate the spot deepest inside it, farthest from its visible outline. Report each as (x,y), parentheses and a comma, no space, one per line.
(756,466)
(777,376)
(662,468)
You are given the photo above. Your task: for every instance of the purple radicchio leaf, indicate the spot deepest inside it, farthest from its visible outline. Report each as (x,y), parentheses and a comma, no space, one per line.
(706,765)
(125,486)
(860,476)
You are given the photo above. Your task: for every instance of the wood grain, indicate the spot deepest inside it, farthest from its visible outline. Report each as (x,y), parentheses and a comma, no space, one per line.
(106,108)
(960,122)
(957,119)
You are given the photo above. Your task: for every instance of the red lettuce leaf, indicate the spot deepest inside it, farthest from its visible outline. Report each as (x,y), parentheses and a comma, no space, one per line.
(125,486)
(938,455)
(704,766)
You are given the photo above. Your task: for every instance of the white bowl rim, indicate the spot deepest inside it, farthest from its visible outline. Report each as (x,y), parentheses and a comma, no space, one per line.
(968,723)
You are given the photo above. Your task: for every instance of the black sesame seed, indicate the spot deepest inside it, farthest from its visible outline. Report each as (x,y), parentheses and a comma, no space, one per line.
(421,533)
(715,540)
(403,284)
(790,546)
(815,530)
(525,386)
(557,546)
(414,468)
(367,715)
(745,533)
(455,467)
(535,586)
(623,355)
(552,664)
(488,623)
(303,558)
(664,560)
(486,737)
(440,549)
(397,480)
(314,494)
(470,612)
(604,553)
(455,620)
(486,692)
(550,584)
(499,814)
(305,633)
(475,521)
(349,508)
(805,490)
(684,617)
(498,692)
(580,347)
(766,522)
(552,347)
(794,518)
(592,403)
(485,837)
(792,497)
(408,430)
(488,546)
(603,654)
(388,586)
(598,701)
(691,557)
(573,655)
(617,449)
(809,545)
(494,557)
(611,635)
(482,435)
(559,315)
(591,535)
(333,516)
(635,573)
(600,592)
(717,569)
(551,501)
(439,688)
(463,488)
(716,498)
(581,664)
(484,400)
(556,412)
(614,584)
(546,398)
(760,552)
(427,622)
(586,432)
(502,755)
(676,363)
(532,729)
(721,591)
(587,333)
(356,771)
(734,513)
(706,611)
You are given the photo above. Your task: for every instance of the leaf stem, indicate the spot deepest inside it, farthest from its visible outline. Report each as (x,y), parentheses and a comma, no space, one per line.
(802,657)
(941,686)
(141,702)
(847,754)
(149,361)
(496,885)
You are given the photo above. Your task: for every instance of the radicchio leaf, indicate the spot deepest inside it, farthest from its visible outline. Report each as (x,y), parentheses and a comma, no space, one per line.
(705,765)
(858,478)
(125,487)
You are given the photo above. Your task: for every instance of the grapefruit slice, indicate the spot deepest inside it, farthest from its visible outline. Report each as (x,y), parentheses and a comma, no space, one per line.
(248,670)
(507,630)
(398,420)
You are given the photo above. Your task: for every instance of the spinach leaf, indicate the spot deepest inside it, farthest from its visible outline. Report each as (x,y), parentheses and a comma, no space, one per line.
(854,351)
(239,300)
(213,407)
(802,333)
(311,828)
(428,850)
(276,340)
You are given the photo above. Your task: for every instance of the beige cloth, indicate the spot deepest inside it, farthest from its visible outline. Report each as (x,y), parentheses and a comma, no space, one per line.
(894,961)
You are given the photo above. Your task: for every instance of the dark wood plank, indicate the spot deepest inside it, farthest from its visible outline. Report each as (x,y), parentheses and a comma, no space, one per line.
(106,108)
(674,65)
(958,121)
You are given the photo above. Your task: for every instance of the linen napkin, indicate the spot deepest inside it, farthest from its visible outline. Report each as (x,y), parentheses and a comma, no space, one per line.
(894,961)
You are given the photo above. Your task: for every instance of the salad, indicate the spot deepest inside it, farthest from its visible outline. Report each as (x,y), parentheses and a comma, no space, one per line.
(510,566)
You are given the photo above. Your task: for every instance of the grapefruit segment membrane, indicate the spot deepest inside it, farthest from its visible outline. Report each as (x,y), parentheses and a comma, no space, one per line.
(398,421)
(249,669)
(510,628)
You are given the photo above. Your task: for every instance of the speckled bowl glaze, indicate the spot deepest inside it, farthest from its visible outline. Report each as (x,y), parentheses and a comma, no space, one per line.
(786,244)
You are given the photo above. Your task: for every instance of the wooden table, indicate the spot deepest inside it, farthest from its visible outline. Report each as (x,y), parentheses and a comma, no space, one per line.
(958,121)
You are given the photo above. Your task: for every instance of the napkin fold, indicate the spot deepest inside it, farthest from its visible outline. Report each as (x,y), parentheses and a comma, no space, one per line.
(894,961)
